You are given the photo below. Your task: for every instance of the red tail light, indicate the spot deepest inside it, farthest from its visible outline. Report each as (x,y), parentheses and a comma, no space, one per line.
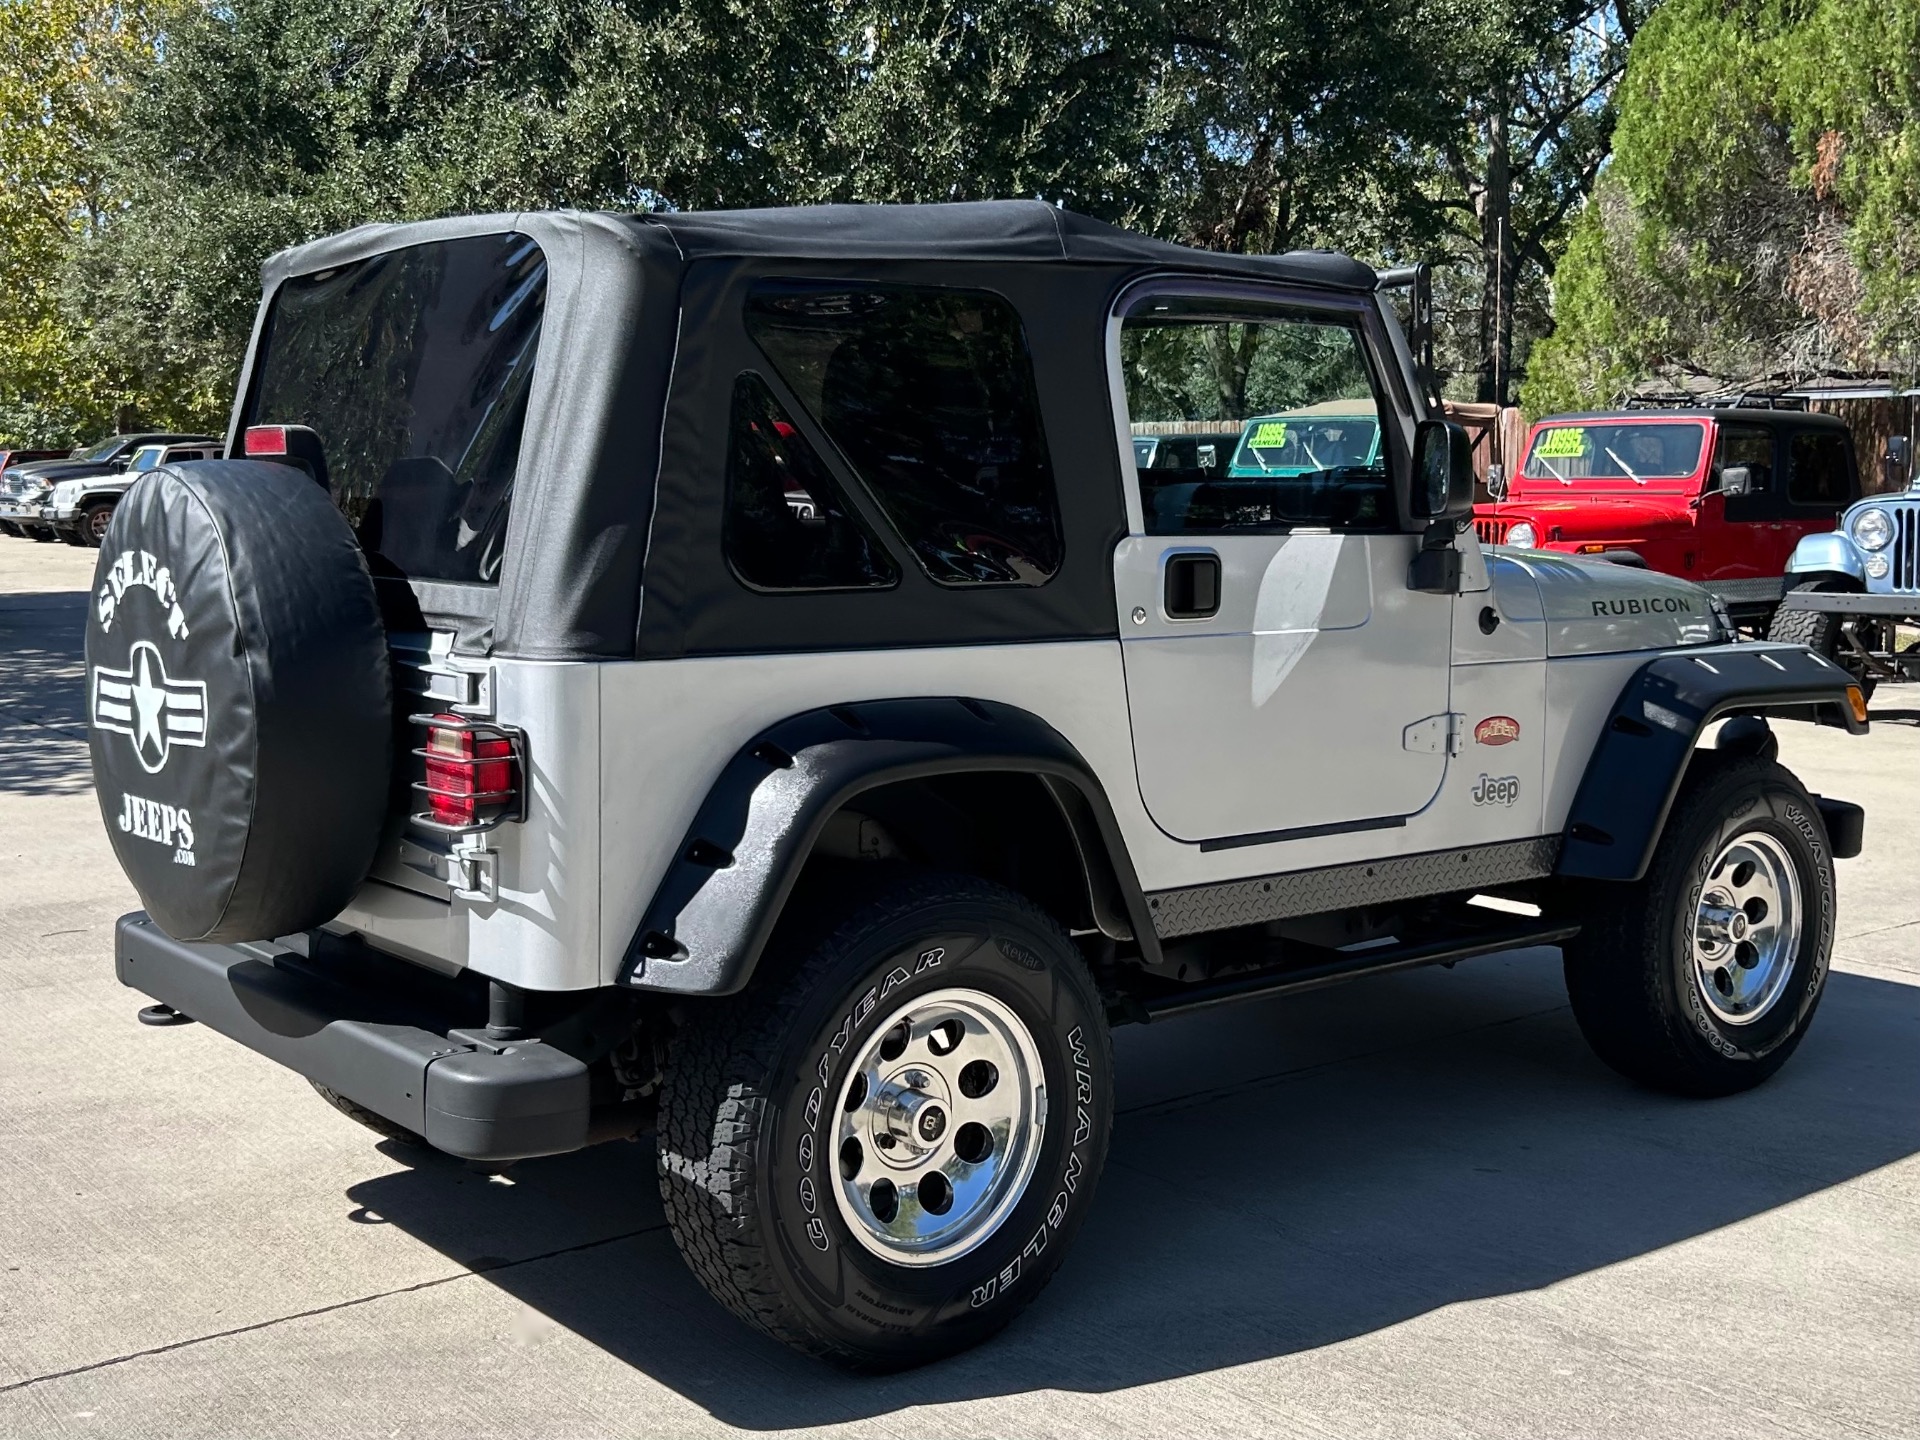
(265,440)
(473,773)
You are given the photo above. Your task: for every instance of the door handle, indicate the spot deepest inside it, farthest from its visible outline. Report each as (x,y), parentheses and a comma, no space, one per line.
(1192,590)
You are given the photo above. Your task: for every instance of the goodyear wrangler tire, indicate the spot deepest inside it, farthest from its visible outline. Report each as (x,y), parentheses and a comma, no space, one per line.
(883,1154)
(1702,978)
(239,701)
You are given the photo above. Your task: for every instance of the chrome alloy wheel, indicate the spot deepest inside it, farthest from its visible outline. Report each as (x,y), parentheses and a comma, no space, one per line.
(1746,934)
(940,1123)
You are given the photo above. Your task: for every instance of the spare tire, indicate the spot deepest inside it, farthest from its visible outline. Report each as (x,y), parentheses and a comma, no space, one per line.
(239,700)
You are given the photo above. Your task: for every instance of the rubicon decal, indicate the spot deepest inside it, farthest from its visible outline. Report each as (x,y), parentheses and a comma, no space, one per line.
(156,712)
(1496,730)
(1645,605)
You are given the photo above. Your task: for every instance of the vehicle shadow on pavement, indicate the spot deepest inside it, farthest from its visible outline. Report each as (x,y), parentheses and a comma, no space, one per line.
(43,694)
(1257,1217)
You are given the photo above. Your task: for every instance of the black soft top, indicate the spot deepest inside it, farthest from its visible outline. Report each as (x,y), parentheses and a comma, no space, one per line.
(1725,414)
(625,439)
(1010,230)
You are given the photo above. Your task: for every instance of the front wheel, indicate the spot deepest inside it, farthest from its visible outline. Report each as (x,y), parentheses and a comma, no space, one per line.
(1702,978)
(881,1151)
(1849,644)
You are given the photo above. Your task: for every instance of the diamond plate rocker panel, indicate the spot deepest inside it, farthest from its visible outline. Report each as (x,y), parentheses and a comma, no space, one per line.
(1339,887)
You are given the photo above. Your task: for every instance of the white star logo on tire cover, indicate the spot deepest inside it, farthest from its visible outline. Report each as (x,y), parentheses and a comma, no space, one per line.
(143,704)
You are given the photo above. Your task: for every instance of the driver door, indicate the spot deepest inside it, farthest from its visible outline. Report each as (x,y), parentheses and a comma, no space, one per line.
(1278,669)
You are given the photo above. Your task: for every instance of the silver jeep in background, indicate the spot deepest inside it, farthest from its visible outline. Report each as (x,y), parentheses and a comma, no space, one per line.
(1850,591)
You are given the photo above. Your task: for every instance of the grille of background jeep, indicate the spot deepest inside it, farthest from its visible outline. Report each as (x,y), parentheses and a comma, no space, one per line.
(1492,532)
(1906,549)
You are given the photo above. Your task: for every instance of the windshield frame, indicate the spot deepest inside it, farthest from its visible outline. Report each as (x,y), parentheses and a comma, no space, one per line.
(1240,469)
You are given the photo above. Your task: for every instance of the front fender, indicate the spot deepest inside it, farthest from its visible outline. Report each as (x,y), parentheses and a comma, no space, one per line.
(714,911)
(1829,554)
(1641,757)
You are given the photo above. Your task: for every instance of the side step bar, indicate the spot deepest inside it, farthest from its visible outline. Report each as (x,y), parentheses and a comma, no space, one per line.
(1338,966)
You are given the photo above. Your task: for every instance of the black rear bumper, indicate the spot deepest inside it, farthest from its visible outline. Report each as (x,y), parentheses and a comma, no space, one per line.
(317,1015)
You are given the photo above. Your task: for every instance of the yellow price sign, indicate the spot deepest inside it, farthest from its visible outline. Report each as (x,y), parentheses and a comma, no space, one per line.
(1568,442)
(1269,435)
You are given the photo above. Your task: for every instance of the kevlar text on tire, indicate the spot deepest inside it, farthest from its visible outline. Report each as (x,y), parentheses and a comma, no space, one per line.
(239,700)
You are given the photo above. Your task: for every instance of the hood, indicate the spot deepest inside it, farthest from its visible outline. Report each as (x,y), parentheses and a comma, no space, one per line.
(1591,607)
(1598,517)
(52,472)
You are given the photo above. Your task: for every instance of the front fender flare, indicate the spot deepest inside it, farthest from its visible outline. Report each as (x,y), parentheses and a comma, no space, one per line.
(1641,757)
(711,917)
(1829,554)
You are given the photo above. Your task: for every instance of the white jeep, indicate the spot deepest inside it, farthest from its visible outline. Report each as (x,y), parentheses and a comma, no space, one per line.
(726,674)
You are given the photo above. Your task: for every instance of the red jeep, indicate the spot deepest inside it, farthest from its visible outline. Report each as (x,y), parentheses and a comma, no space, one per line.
(1715,496)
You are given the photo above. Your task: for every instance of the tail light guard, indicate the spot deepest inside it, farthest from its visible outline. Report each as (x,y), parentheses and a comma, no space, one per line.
(473,780)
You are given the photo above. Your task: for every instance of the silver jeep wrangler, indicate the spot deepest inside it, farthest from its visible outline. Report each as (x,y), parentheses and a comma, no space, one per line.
(727,675)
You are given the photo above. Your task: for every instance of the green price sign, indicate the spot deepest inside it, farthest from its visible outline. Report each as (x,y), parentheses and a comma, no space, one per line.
(1566,443)
(1269,435)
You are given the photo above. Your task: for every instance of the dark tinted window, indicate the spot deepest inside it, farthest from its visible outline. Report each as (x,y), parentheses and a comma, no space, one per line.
(929,394)
(1817,470)
(413,367)
(788,525)
(1751,446)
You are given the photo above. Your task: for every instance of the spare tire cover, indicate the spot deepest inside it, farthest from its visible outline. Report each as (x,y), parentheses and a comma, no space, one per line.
(239,700)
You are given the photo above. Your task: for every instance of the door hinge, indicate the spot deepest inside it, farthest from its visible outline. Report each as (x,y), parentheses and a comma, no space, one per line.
(1436,735)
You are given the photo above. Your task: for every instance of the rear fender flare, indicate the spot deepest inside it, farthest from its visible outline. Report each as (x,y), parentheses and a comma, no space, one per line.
(1641,756)
(711,917)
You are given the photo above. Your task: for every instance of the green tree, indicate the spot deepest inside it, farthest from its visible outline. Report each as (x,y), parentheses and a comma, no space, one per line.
(1760,212)
(64,66)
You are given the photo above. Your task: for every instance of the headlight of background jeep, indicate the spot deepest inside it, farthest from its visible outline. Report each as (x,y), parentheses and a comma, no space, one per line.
(1523,536)
(1872,529)
(67,491)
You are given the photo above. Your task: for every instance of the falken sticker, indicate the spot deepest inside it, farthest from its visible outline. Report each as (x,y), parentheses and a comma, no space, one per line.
(1496,730)
(1497,790)
(143,703)
(1565,442)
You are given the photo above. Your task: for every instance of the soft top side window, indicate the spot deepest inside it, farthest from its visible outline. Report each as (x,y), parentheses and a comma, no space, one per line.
(929,394)
(1253,418)
(788,527)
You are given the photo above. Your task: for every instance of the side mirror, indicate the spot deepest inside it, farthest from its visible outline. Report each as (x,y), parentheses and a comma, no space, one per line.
(1897,464)
(1442,472)
(1735,480)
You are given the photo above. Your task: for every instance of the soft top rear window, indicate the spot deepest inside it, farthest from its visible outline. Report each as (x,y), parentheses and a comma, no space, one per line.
(413,368)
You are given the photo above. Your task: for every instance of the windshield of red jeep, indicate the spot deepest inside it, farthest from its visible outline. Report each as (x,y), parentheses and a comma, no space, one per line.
(1615,450)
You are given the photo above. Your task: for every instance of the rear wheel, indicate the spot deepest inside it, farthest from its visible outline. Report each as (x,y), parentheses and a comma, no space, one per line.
(379,1124)
(883,1154)
(1701,978)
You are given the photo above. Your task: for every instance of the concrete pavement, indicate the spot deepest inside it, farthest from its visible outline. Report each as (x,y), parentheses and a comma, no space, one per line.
(1413,1205)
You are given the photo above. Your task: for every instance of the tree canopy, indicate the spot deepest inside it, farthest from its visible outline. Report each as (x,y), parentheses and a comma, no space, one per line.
(1758,215)
(190,139)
